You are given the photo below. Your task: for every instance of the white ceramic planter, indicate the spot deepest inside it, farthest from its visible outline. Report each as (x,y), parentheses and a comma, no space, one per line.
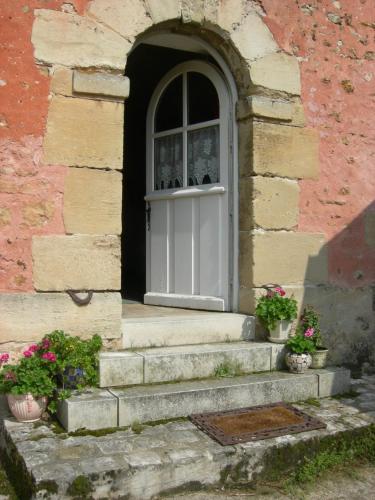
(280,334)
(298,363)
(26,408)
(319,358)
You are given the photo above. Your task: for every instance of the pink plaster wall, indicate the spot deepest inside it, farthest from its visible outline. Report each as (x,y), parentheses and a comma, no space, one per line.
(337,64)
(31,195)
(335,41)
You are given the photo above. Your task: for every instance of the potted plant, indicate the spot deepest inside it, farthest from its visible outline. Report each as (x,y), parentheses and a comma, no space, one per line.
(300,347)
(310,325)
(48,370)
(28,384)
(277,312)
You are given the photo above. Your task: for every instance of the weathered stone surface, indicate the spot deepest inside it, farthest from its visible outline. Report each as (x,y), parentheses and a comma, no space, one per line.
(75,41)
(26,317)
(268,203)
(5,217)
(120,368)
(101,84)
(126,17)
(163,11)
(90,409)
(192,11)
(84,132)
(249,32)
(298,116)
(198,328)
(147,403)
(92,201)
(287,258)
(277,71)
(38,214)
(333,381)
(78,262)
(264,107)
(174,455)
(370,228)
(62,81)
(284,151)
(166,364)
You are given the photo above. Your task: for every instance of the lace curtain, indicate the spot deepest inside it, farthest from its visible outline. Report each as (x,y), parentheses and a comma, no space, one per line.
(203,156)
(168,172)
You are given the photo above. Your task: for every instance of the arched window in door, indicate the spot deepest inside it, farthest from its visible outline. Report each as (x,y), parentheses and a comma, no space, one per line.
(186,132)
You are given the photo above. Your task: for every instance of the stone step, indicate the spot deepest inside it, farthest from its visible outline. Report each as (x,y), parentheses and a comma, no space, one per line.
(192,328)
(177,363)
(172,459)
(96,409)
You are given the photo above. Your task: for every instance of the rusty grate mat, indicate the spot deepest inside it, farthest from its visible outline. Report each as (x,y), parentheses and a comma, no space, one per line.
(255,423)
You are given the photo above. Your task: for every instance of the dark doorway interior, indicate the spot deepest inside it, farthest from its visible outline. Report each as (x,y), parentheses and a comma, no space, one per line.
(146,65)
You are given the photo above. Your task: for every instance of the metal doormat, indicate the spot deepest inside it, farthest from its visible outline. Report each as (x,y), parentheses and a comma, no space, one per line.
(255,423)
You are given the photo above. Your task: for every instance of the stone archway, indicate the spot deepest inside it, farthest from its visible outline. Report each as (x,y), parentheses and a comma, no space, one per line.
(86,56)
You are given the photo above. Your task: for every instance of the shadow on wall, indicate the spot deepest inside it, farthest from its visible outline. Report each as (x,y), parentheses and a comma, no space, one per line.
(346,299)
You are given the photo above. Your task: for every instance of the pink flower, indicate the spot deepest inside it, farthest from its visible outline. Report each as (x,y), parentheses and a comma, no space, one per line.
(46,343)
(27,354)
(33,348)
(280,291)
(4,357)
(49,356)
(10,376)
(309,332)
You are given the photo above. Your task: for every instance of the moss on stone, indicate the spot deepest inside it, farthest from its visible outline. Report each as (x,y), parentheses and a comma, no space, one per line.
(81,487)
(313,402)
(317,455)
(49,486)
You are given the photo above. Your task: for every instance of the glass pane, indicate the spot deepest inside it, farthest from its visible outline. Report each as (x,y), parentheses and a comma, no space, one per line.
(168,172)
(169,109)
(203,156)
(203,101)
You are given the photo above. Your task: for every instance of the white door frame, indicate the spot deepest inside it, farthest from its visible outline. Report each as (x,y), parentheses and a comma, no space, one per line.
(195,44)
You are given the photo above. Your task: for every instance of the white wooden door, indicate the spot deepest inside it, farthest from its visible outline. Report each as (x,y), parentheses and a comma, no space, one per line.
(188,190)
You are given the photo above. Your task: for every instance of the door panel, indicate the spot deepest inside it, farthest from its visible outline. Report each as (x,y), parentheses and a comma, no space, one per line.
(159,247)
(183,248)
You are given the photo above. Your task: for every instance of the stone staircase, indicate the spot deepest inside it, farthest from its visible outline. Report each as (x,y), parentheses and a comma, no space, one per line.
(144,384)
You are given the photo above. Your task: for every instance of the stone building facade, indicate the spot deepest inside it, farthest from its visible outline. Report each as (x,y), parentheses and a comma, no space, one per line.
(303,155)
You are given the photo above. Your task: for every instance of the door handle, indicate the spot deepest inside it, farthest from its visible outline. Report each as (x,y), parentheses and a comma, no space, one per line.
(148,216)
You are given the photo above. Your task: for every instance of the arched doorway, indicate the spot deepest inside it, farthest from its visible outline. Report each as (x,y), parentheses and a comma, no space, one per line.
(205,202)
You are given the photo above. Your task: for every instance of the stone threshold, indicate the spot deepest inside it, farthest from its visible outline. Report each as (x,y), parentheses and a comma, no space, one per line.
(103,408)
(173,457)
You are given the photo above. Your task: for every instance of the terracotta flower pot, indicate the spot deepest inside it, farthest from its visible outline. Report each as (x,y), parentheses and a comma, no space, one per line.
(27,408)
(281,332)
(298,363)
(319,358)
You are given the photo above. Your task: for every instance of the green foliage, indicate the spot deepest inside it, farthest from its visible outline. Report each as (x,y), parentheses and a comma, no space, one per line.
(73,352)
(28,376)
(300,344)
(275,307)
(310,319)
(340,452)
(41,372)
(228,369)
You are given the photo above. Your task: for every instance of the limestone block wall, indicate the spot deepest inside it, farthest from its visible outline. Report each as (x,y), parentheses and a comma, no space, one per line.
(306,185)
